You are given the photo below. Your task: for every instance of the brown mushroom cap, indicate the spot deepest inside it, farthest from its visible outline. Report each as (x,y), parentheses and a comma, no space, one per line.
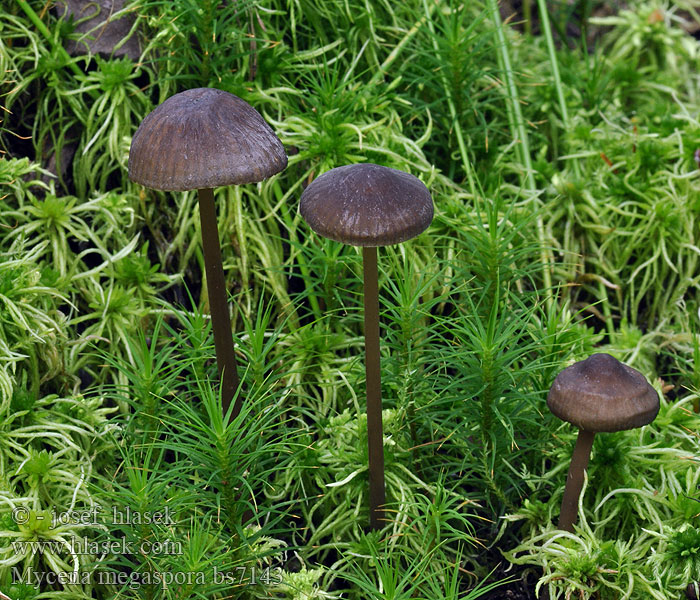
(602,394)
(367,205)
(204,138)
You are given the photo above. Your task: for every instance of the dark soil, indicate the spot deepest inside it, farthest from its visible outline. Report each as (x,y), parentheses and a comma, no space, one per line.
(522,586)
(568,18)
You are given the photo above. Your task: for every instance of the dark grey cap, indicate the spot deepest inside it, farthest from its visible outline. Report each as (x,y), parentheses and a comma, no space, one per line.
(204,138)
(367,205)
(602,394)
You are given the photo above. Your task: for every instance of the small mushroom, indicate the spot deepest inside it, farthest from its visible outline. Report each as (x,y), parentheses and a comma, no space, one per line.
(692,592)
(599,394)
(368,205)
(200,139)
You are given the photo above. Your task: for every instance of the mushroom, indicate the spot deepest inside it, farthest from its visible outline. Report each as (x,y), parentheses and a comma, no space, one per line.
(200,139)
(368,205)
(599,394)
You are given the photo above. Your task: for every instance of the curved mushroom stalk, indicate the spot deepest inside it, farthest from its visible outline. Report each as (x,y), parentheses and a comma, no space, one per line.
(574,479)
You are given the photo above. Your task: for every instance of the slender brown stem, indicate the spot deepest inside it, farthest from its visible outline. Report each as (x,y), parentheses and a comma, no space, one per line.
(375,437)
(574,481)
(218,302)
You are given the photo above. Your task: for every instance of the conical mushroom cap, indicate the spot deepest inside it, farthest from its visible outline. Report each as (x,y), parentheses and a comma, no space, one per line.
(204,138)
(367,205)
(602,394)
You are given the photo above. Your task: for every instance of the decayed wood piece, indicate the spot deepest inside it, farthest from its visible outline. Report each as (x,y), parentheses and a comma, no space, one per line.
(103,32)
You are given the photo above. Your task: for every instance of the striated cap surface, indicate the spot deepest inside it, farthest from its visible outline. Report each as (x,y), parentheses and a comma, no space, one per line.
(367,205)
(204,138)
(602,394)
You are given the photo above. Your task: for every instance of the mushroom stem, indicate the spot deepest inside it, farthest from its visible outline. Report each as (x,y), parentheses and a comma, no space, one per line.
(218,302)
(375,438)
(574,480)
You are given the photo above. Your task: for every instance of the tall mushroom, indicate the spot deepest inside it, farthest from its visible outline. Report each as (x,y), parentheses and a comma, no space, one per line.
(599,394)
(197,140)
(368,205)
